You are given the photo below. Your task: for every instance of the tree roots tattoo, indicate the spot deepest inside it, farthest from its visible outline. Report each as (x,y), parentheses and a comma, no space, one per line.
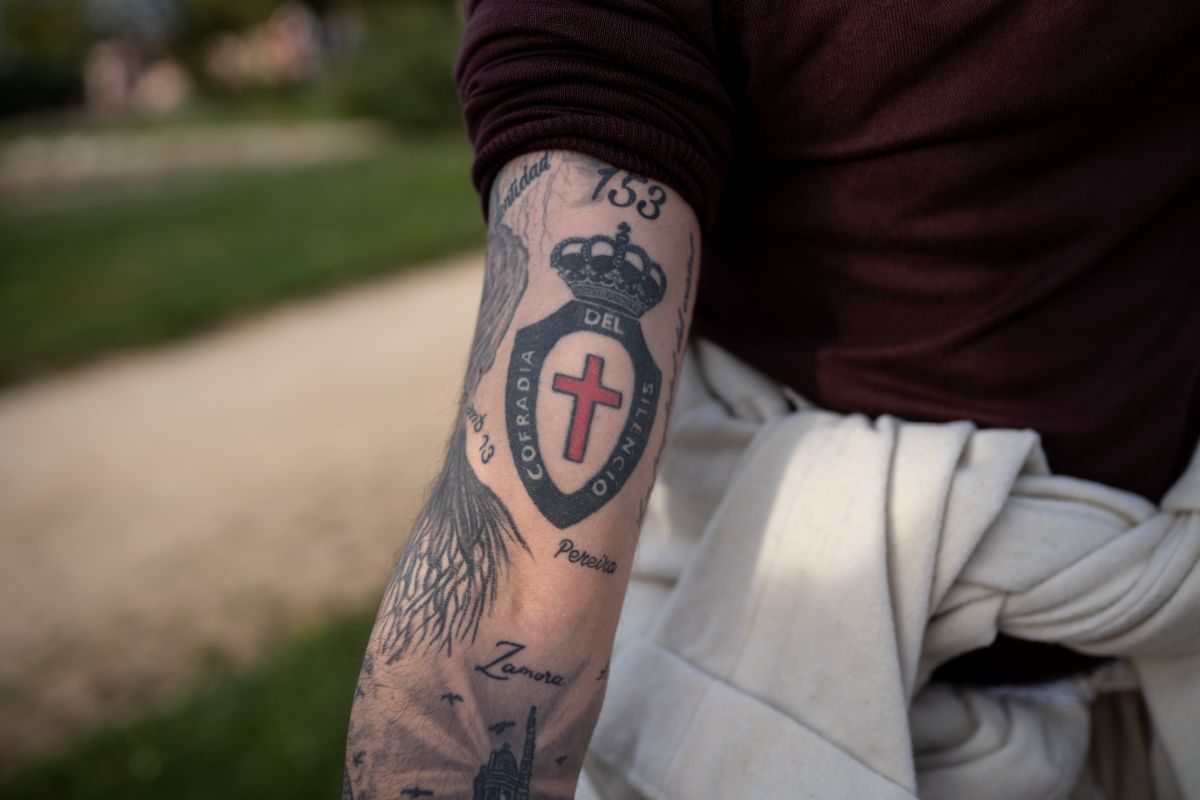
(447,578)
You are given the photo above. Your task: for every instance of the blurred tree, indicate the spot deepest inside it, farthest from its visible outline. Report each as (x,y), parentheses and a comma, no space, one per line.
(402,70)
(41,49)
(202,18)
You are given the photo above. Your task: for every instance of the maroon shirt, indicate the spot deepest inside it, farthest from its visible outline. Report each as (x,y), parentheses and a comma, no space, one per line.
(938,210)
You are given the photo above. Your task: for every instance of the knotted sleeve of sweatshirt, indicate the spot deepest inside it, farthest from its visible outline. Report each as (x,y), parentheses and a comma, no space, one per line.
(635,83)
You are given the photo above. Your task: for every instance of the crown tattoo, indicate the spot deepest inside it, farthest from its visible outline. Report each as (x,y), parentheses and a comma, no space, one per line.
(610,272)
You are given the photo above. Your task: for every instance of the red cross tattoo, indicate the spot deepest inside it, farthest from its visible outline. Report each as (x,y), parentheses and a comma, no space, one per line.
(589,391)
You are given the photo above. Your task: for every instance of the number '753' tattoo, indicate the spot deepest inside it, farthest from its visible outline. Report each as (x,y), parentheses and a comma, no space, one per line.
(614,282)
(649,208)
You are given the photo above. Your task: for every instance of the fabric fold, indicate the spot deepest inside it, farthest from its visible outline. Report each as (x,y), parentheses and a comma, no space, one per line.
(811,570)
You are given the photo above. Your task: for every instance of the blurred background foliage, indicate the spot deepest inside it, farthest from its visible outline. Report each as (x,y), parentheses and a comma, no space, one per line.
(409,86)
(390,59)
(168,164)
(191,233)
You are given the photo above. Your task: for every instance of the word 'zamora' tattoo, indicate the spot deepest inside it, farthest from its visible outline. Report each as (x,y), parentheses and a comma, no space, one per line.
(501,668)
(585,559)
(614,283)
(448,576)
(501,778)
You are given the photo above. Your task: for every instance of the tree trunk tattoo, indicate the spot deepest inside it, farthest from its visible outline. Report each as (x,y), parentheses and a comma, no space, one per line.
(447,578)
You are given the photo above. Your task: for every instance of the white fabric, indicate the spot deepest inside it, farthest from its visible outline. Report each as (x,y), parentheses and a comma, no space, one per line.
(801,573)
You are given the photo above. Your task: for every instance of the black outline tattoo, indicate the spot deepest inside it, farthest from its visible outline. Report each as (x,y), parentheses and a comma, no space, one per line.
(612,291)
(415,792)
(502,726)
(447,577)
(347,789)
(451,698)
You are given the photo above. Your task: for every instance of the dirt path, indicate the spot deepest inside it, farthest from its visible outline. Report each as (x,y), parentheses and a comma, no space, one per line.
(214,495)
(39,163)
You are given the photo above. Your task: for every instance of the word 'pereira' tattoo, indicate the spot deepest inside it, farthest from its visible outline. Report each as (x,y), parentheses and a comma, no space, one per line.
(614,282)
(501,668)
(650,208)
(447,578)
(583,558)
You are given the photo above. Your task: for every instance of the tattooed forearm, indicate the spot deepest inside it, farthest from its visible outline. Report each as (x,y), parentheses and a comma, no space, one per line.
(483,676)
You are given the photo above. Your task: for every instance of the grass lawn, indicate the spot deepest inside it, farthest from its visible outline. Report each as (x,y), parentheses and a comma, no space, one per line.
(250,106)
(277,731)
(155,264)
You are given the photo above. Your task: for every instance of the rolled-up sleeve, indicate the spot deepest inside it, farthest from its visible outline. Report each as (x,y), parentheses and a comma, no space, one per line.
(635,83)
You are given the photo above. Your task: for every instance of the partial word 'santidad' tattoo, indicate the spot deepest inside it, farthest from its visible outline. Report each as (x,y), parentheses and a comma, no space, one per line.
(503,667)
(502,778)
(448,576)
(614,282)
(649,198)
(517,186)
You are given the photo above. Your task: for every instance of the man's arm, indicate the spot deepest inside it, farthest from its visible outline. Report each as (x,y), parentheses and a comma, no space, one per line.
(488,662)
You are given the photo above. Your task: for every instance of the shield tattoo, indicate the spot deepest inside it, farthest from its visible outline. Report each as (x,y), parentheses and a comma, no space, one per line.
(612,290)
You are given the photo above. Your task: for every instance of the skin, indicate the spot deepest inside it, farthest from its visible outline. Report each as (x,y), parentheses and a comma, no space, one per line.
(494,635)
